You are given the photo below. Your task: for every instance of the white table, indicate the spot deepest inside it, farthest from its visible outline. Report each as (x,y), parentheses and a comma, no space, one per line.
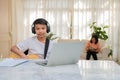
(84,70)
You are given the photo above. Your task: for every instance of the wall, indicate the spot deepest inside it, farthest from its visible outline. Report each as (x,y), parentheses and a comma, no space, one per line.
(5,27)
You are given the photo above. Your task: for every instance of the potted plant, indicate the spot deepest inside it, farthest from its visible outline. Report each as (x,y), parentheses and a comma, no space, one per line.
(51,36)
(110,54)
(99,31)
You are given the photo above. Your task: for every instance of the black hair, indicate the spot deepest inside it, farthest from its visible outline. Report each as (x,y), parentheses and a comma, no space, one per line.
(96,39)
(40,21)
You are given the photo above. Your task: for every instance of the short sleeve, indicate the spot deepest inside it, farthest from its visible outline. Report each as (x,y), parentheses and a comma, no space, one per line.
(23,46)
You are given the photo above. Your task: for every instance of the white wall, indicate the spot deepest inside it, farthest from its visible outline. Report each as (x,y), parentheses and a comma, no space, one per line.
(5,27)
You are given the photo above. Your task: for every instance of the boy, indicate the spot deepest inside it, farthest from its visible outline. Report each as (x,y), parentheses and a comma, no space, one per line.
(36,44)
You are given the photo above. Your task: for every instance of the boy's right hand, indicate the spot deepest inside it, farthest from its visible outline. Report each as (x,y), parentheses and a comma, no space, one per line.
(24,57)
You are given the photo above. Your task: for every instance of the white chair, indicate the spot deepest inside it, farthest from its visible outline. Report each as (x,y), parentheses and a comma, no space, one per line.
(103,55)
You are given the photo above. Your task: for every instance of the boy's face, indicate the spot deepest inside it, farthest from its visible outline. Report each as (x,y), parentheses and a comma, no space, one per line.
(40,30)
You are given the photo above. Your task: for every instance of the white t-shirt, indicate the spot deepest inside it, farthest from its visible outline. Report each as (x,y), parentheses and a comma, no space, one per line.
(34,46)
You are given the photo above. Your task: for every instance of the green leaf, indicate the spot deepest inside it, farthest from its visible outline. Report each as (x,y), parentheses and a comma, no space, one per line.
(50,36)
(94,23)
(106,26)
(98,28)
(54,38)
(110,53)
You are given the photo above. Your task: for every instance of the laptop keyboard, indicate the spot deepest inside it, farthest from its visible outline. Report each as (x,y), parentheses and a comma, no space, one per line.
(40,61)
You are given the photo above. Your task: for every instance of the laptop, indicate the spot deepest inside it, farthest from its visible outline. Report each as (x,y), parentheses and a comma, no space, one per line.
(64,53)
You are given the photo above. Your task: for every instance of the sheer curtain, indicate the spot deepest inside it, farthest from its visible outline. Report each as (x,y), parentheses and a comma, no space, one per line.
(69,19)
(101,11)
(57,12)
(17,21)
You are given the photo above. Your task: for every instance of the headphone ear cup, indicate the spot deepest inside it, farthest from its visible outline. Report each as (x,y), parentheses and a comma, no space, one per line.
(33,30)
(48,29)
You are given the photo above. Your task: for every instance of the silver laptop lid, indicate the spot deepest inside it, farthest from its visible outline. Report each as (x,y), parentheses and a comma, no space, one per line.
(65,53)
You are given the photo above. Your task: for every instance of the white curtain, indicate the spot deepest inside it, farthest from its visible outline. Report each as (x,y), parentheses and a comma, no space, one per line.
(104,12)
(69,19)
(17,21)
(57,12)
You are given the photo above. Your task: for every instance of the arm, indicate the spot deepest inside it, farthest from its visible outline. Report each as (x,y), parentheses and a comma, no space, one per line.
(87,46)
(98,48)
(16,50)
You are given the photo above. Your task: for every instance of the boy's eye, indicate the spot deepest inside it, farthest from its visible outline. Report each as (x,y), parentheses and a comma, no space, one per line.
(40,28)
(43,28)
(37,28)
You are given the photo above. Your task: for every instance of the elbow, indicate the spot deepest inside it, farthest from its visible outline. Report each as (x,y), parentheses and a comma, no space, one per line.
(13,48)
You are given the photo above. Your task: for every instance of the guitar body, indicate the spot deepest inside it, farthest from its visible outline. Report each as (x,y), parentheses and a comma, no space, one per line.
(30,56)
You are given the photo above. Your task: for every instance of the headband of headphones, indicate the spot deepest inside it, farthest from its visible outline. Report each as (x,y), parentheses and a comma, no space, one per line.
(40,21)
